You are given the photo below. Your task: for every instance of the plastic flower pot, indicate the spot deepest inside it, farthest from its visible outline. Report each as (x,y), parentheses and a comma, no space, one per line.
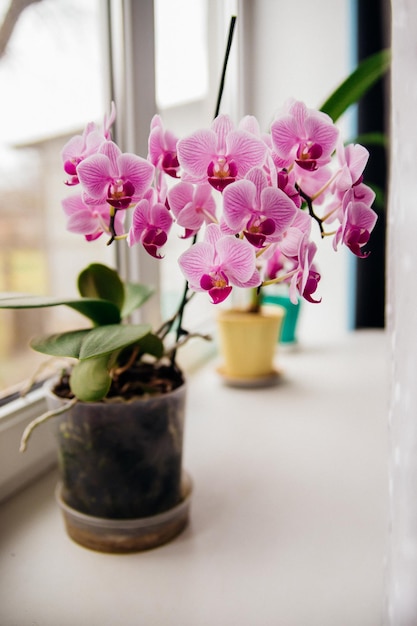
(289,326)
(247,344)
(123,488)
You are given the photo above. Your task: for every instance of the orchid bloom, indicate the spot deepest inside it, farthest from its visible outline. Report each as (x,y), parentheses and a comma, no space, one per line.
(306,277)
(218,263)
(221,154)
(352,159)
(80,147)
(261,212)
(303,136)
(162,148)
(89,220)
(117,178)
(151,223)
(278,265)
(273,186)
(192,206)
(358,223)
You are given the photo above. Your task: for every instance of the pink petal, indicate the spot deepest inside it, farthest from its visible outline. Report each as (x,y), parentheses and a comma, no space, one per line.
(74,204)
(161,217)
(277,205)
(94,174)
(239,200)
(284,136)
(222,126)
(213,234)
(180,195)
(83,224)
(195,262)
(196,152)
(136,170)
(203,197)
(246,150)
(155,145)
(112,152)
(356,158)
(237,257)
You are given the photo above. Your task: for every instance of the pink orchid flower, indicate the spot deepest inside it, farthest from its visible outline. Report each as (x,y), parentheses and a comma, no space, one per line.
(88,219)
(261,212)
(151,223)
(218,263)
(115,177)
(221,154)
(162,148)
(352,159)
(192,206)
(303,136)
(286,181)
(80,147)
(358,223)
(306,278)
(278,264)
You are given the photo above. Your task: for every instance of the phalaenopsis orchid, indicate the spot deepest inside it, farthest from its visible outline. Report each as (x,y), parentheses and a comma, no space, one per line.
(247,201)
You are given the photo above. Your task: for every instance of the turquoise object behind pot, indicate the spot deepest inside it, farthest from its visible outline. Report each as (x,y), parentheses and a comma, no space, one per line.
(289,326)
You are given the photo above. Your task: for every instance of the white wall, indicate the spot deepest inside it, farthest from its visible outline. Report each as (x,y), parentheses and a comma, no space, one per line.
(401,315)
(301,49)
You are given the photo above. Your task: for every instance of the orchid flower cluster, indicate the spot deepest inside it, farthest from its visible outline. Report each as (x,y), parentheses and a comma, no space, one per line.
(247,201)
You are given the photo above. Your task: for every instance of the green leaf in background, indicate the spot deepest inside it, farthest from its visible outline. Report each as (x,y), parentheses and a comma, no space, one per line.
(379,204)
(98,311)
(61,344)
(357,84)
(106,339)
(90,380)
(372,139)
(100,281)
(135,296)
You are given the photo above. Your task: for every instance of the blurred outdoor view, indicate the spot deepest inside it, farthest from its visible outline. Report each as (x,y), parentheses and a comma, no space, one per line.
(51,85)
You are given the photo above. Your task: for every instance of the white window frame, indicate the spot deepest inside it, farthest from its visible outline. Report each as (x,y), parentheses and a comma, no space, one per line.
(129,35)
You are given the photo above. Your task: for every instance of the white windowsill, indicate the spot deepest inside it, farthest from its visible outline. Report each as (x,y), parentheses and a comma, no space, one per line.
(18,469)
(288,520)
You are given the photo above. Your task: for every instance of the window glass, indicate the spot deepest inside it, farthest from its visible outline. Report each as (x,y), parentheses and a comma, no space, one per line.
(189,47)
(51,81)
(181,54)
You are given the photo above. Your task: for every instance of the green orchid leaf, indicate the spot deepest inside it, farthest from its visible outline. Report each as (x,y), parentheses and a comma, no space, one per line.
(135,296)
(357,84)
(61,344)
(90,380)
(106,339)
(98,311)
(102,282)
(153,345)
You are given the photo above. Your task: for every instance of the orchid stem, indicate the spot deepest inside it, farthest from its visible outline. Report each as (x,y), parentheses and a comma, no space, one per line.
(226,59)
(185,297)
(112,228)
(309,203)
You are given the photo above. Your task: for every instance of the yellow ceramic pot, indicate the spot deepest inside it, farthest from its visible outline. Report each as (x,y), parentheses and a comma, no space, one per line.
(248,341)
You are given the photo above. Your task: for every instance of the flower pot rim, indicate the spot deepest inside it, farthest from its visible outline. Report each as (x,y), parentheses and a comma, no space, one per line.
(50,382)
(266,311)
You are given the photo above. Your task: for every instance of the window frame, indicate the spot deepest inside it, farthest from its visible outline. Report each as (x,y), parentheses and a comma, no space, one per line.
(128,34)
